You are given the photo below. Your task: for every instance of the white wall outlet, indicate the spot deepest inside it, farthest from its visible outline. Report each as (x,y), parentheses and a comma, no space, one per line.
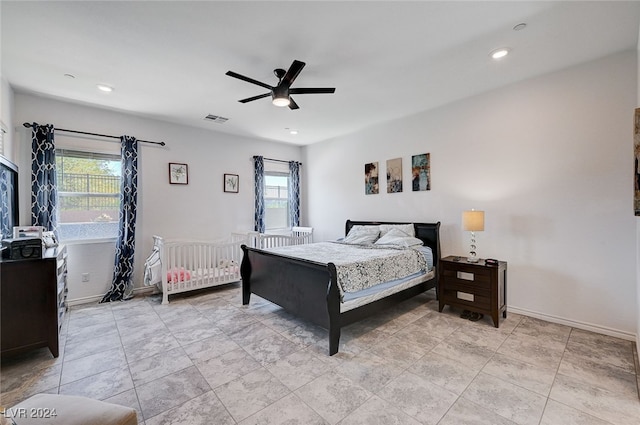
(85,277)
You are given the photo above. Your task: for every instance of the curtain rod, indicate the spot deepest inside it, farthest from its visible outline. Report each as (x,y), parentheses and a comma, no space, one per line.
(276,160)
(28,125)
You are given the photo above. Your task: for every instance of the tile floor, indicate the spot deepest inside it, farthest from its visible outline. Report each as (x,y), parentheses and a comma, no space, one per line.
(206,359)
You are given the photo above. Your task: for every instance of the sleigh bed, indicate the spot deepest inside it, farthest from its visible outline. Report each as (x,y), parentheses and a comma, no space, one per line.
(315,290)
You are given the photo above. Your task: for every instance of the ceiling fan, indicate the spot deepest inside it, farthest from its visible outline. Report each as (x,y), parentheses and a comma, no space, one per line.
(280,94)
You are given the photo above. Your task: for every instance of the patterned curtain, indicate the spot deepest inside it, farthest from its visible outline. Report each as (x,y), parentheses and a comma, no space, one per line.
(294,193)
(122,286)
(6,190)
(258,170)
(44,195)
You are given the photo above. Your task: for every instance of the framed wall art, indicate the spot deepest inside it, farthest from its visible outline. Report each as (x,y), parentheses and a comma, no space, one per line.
(394,175)
(178,173)
(420,172)
(371,178)
(231,183)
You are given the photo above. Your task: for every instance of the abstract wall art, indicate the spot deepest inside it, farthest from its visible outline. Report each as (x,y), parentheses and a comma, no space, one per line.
(394,175)
(371,186)
(421,172)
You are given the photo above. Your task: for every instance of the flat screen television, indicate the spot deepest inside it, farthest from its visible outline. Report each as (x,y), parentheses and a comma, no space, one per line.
(9,216)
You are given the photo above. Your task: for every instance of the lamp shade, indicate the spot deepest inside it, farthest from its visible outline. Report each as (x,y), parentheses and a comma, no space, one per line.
(473,220)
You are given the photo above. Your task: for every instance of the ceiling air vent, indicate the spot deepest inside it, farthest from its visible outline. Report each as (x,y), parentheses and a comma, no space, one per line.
(216,118)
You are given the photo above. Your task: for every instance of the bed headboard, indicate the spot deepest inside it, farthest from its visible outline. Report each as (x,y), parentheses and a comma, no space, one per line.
(429,233)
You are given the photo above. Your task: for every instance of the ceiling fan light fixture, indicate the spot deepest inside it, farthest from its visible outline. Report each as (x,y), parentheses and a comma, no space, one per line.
(281,101)
(280,96)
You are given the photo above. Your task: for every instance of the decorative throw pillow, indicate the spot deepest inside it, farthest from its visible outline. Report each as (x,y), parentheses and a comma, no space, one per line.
(397,237)
(362,235)
(406,228)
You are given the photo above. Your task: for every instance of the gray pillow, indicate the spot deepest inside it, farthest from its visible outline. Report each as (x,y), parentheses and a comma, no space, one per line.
(362,235)
(406,228)
(397,237)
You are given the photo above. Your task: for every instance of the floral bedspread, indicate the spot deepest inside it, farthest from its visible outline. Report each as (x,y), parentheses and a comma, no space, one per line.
(360,266)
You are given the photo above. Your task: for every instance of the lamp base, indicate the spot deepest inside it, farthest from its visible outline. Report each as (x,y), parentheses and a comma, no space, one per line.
(472,259)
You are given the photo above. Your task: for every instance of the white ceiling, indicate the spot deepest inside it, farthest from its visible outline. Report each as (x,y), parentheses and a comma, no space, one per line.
(167,60)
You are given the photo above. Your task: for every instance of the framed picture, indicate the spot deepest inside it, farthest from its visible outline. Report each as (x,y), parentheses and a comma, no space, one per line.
(178,173)
(394,175)
(371,178)
(231,183)
(421,172)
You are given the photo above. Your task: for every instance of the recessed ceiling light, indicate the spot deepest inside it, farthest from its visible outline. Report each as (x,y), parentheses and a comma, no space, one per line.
(293,132)
(105,88)
(500,53)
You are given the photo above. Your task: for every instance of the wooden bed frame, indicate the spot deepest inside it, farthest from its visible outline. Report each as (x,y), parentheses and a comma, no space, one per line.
(309,289)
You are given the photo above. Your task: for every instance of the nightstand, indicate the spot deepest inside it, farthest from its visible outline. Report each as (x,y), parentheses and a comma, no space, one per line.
(473,286)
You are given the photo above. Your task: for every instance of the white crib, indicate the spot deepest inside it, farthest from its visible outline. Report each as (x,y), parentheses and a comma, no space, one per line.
(297,236)
(177,266)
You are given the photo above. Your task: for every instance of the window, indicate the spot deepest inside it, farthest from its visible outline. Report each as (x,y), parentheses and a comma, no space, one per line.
(276,200)
(88,194)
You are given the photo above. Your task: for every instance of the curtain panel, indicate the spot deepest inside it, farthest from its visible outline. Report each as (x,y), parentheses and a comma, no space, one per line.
(258,172)
(122,285)
(294,193)
(44,194)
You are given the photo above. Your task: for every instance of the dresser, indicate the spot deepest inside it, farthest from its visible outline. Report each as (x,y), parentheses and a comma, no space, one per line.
(33,295)
(476,287)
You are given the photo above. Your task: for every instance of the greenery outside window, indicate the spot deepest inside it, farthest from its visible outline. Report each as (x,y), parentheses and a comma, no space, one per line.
(88,194)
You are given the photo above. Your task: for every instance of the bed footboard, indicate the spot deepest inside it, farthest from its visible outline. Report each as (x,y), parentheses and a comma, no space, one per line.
(305,288)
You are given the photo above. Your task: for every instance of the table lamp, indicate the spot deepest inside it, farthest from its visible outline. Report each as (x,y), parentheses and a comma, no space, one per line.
(473,221)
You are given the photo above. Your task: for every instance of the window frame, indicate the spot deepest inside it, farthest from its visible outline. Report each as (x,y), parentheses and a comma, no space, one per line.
(86,153)
(275,173)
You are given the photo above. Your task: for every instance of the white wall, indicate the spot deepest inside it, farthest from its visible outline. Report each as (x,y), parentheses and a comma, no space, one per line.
(198,210)
(548,159)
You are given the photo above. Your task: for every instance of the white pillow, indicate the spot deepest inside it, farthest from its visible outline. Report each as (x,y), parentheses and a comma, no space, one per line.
(361,235)
(397,237)
(406,228)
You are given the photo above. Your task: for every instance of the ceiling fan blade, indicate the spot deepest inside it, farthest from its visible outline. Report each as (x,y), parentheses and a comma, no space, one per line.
(293,104)
(250,99)
(312,90)
(292,73)
(248,80)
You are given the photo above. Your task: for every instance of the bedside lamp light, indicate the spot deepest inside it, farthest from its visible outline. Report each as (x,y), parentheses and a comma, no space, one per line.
(473,221)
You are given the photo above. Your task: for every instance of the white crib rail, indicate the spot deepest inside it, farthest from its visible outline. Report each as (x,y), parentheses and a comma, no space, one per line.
(190,265)
(298,236)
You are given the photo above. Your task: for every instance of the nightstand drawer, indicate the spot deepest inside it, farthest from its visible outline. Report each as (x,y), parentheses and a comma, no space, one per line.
(481,301)
(475,277)
(469,272)
(466,286)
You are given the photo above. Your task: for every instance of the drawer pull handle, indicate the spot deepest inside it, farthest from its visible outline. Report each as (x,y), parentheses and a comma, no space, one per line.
(465,276)
(465,296)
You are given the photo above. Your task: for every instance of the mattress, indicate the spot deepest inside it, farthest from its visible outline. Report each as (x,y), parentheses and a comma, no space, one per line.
(361,267)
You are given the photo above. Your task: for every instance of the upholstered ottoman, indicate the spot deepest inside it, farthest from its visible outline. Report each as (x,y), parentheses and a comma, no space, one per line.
(53,409)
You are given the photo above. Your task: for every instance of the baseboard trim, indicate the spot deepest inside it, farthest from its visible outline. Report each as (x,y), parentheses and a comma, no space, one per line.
(575,324)
(146,290)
